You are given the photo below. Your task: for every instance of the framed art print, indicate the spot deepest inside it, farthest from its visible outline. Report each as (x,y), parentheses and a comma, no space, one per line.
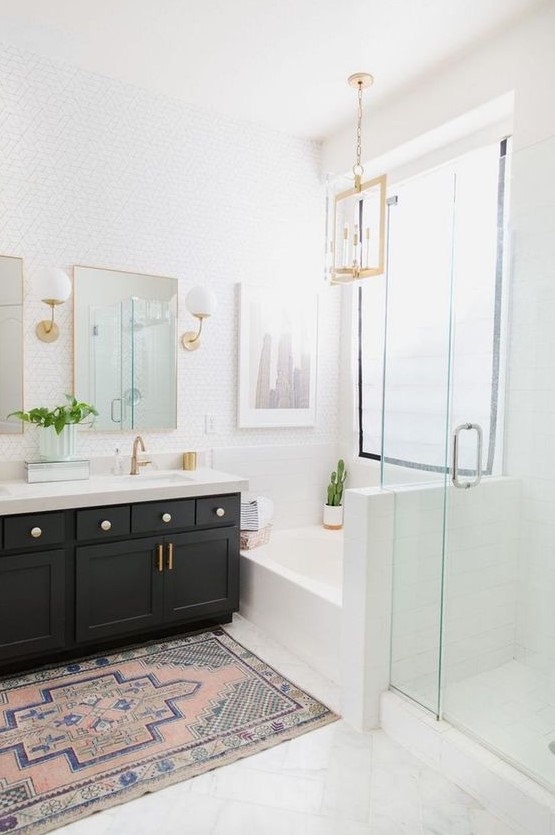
(278,335)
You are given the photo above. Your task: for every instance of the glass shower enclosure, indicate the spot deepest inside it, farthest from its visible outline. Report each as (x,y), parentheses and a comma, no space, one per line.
(468,409)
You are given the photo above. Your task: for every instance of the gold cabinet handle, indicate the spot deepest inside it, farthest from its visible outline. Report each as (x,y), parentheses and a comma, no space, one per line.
(106,525)
(36,532)
(166,517)
(160,557)
(170,556)
(220,512)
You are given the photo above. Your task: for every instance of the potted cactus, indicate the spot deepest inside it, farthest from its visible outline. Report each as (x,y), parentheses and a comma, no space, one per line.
(333,509)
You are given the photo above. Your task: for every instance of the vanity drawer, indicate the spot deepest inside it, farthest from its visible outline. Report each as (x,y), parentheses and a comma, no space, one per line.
(162,516)
(37,529)
(103,522)
(218,510)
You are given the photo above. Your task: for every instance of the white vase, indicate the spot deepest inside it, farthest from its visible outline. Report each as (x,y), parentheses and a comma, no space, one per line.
(333,517)
(54,447)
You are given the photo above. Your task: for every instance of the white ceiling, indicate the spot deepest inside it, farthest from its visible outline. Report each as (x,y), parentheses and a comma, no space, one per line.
(282,63)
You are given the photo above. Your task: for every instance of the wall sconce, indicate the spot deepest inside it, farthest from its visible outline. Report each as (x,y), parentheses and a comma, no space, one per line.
(201,303)
(54,288)
(357,246)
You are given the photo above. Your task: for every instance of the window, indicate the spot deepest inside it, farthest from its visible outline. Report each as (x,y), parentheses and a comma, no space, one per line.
(442,320)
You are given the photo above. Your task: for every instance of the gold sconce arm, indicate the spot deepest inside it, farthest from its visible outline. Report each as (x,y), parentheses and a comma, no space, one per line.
(201,303)
(53,288)
(191,340)
(47,330)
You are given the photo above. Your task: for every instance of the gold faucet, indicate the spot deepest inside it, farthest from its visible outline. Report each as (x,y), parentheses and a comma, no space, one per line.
(134,463)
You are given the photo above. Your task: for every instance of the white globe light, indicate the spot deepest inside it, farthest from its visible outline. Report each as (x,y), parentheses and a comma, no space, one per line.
(200,301)
(53,285)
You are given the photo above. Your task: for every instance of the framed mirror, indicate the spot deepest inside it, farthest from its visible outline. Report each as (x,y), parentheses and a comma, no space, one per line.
(11,342)
(125,347)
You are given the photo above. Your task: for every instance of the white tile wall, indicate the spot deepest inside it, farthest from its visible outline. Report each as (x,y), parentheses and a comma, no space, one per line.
(96,171)
(294,477)
(530,442)
(482,540)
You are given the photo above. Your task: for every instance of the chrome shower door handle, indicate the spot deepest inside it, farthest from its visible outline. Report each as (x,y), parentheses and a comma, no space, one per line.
(466,485)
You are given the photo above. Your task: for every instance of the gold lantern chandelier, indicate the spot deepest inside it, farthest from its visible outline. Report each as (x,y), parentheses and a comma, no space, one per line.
(358,234)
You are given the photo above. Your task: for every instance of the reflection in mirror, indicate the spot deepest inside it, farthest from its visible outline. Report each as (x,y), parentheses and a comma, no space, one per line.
(11,342)
(125,347)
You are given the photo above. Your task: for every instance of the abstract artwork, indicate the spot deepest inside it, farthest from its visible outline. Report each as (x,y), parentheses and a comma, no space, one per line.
(277,357)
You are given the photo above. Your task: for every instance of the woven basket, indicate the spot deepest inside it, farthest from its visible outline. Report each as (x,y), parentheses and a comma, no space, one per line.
(252,539)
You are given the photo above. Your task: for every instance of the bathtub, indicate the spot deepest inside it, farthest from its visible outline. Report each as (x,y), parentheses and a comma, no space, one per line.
(292,588)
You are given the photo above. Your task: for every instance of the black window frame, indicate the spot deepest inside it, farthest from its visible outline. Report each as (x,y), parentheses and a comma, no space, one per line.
(504,150)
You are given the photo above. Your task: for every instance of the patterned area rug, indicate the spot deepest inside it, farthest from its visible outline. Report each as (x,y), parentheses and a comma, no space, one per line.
(83,737)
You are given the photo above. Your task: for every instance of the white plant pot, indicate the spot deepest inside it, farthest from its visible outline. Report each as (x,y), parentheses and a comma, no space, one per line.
(54,447)
(333,517)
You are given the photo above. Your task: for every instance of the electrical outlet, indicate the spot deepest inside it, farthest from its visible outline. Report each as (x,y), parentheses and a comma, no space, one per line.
(210,424)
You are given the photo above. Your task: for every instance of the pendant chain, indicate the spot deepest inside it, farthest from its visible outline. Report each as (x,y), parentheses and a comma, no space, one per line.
(359,124)
(358,170)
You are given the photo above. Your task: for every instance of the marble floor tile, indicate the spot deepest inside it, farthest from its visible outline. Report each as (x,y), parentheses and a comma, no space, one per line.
(347,783)
(275,789)
(331,781)
(253,819)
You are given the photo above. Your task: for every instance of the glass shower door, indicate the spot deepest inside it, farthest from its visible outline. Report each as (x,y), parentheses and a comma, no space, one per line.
(442,420)
(499,656)
(481,524)
(415,462)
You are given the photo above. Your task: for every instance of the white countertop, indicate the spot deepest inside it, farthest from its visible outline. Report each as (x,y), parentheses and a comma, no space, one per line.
(16,496)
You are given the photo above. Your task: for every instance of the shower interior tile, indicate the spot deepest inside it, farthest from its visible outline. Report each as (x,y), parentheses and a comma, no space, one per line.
(512,709)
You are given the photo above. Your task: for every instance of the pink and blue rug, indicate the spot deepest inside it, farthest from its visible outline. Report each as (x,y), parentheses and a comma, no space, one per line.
(89,735)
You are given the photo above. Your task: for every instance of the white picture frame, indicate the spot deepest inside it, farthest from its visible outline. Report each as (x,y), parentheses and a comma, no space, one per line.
(278,340)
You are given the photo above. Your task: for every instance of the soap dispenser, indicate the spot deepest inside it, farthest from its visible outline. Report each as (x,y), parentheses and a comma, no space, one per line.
(118,462)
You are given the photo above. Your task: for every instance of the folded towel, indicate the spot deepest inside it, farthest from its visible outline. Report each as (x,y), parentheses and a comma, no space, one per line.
(256,513)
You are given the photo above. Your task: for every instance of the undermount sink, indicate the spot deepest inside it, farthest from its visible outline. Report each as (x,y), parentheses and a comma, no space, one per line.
(168,478)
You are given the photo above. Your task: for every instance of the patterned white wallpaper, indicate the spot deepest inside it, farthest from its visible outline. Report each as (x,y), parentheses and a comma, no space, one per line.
(95,171)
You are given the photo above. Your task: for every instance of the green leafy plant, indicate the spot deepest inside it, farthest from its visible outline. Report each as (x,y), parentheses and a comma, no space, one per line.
(74,411)
(335,487)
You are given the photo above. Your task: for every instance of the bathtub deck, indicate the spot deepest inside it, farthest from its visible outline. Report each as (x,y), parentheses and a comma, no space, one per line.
(311,556)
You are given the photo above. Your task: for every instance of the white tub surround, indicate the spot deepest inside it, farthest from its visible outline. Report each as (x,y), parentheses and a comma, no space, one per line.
(291,588)
(16,496)
(366,622)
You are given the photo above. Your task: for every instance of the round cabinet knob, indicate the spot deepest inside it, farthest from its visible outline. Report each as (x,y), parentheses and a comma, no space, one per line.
(166,517)
(220,512)
(106,525)
(36,532)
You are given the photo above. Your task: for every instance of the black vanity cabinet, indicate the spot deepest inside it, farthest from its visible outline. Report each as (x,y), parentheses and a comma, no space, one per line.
(201,576)
(32,603)
(115,574)
(118,590)
(127,587)
(32,584)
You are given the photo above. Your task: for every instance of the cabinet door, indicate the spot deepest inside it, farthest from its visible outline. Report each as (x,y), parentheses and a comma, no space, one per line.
(32,603)
(201,574)
(118,588)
